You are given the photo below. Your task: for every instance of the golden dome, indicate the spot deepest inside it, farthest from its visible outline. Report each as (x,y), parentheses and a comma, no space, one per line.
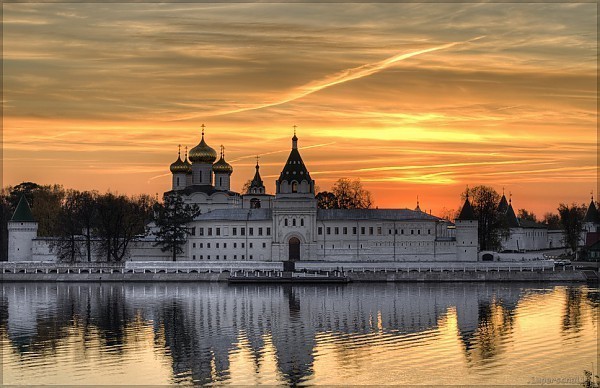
(179,166)
(222,166)
(188,165)
(202,153)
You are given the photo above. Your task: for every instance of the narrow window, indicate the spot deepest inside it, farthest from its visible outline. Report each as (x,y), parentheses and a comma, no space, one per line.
(337,230)
(328,230)
(379,231)
(234,231)
(370,230)
(193,245)
(264,245)
(243,231)
(286,222)
(354,230)
(235,245)
(294,222)
(301,221)
(294,187)
(210,231)
(362,230)
(260,230)
(201,230)
(218,231)
(251,231)
(345,230)
(268,231)
(320,230)
(207,245)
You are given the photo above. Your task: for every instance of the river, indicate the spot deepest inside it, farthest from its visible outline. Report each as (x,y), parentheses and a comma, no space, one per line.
(371,333)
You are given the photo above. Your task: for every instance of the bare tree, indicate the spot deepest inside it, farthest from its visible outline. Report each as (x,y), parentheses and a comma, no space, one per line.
(350,194)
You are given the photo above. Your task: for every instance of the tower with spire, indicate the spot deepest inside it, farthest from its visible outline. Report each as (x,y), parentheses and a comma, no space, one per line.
(256,197)
(294,210)
(591,221)
(22,230)
(466,233)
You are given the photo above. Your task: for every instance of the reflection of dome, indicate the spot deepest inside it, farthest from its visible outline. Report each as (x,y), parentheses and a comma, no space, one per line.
(203,153)
(222,166)
(179,166)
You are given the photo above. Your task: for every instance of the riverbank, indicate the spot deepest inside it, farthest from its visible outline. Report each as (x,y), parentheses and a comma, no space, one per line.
(377,276)
(273,272)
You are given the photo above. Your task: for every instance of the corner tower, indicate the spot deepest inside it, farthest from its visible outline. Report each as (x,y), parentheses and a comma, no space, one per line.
(466,233)
(22,230)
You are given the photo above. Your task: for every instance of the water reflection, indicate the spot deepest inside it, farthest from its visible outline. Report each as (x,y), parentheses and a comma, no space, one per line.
(290,331)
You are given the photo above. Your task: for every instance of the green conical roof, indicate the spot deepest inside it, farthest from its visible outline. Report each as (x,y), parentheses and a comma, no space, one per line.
(592,213)
(467,212)
(23,211)
(511,218)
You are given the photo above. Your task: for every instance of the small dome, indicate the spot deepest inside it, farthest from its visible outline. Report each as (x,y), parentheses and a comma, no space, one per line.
(222,166)
(188,165)
(203,153)
(179,166)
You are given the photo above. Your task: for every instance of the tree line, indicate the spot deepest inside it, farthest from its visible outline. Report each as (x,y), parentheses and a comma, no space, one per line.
(81,223)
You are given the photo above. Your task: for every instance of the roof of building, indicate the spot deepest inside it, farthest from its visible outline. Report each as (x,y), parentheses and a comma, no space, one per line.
(294,169)
(23,211)
(592,238)
(503,205)
(236,215)
(373,214)
(511,219)
(592,213)
(257,180)
(206,189)
(466,213)
(531,224)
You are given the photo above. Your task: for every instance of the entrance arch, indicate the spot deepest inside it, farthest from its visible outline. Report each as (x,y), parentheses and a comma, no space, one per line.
(294,249)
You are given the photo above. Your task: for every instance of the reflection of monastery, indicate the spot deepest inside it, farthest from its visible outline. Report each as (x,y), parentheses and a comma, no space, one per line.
(258,226)
(200,326)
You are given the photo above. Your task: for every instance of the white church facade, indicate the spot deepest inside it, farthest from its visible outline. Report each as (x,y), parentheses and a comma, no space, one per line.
(288,225)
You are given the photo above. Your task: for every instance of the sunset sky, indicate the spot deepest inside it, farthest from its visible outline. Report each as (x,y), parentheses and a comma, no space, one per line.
(413,99)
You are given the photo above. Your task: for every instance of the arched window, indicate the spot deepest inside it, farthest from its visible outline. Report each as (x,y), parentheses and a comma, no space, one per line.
(294,187)
(200,176)
(220,181)
(177,181)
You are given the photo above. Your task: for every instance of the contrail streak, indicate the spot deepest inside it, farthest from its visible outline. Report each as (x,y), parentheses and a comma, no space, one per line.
(338,78)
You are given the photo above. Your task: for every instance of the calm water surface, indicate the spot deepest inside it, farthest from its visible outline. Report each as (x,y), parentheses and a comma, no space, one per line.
(257,334)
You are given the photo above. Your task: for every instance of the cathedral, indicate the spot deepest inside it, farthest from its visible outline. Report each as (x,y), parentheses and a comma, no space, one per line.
(288,225)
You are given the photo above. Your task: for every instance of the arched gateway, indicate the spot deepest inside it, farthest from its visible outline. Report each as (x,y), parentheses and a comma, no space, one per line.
(294,246)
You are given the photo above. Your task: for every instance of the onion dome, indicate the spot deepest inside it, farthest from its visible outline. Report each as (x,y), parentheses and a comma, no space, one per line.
(179,167)
(222,166)
(187,163)
(203,153)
